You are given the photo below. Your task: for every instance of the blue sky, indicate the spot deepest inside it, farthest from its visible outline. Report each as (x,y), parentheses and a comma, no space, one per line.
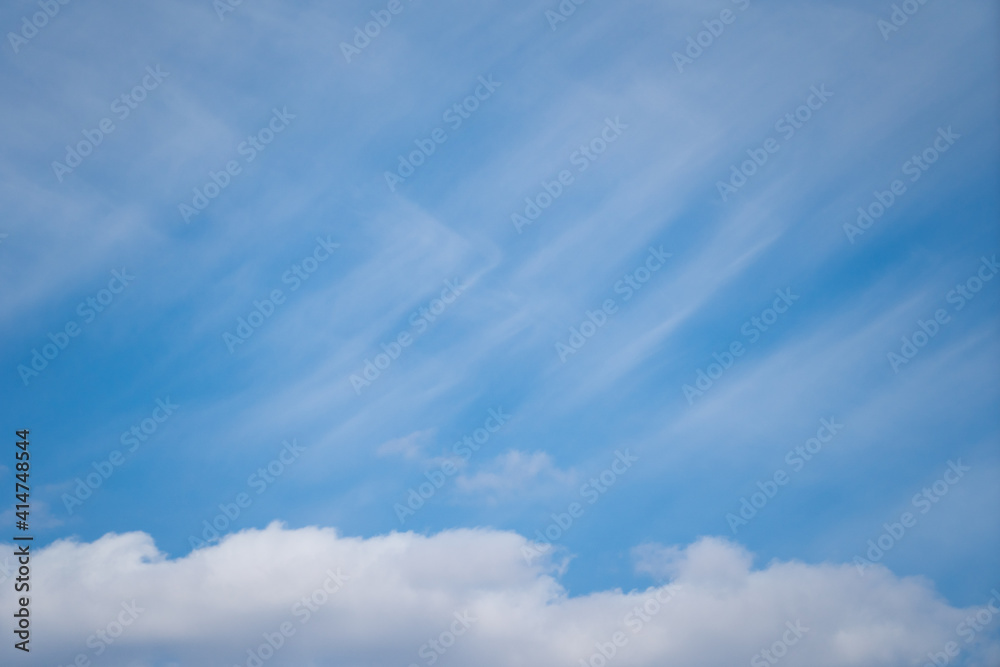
(603,83)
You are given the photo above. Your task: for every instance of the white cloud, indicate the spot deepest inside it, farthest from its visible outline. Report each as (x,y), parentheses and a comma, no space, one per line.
(410,447)
(400,591)
(514,470)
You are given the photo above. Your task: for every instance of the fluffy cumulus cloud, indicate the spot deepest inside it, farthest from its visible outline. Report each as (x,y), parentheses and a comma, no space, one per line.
(310,596)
